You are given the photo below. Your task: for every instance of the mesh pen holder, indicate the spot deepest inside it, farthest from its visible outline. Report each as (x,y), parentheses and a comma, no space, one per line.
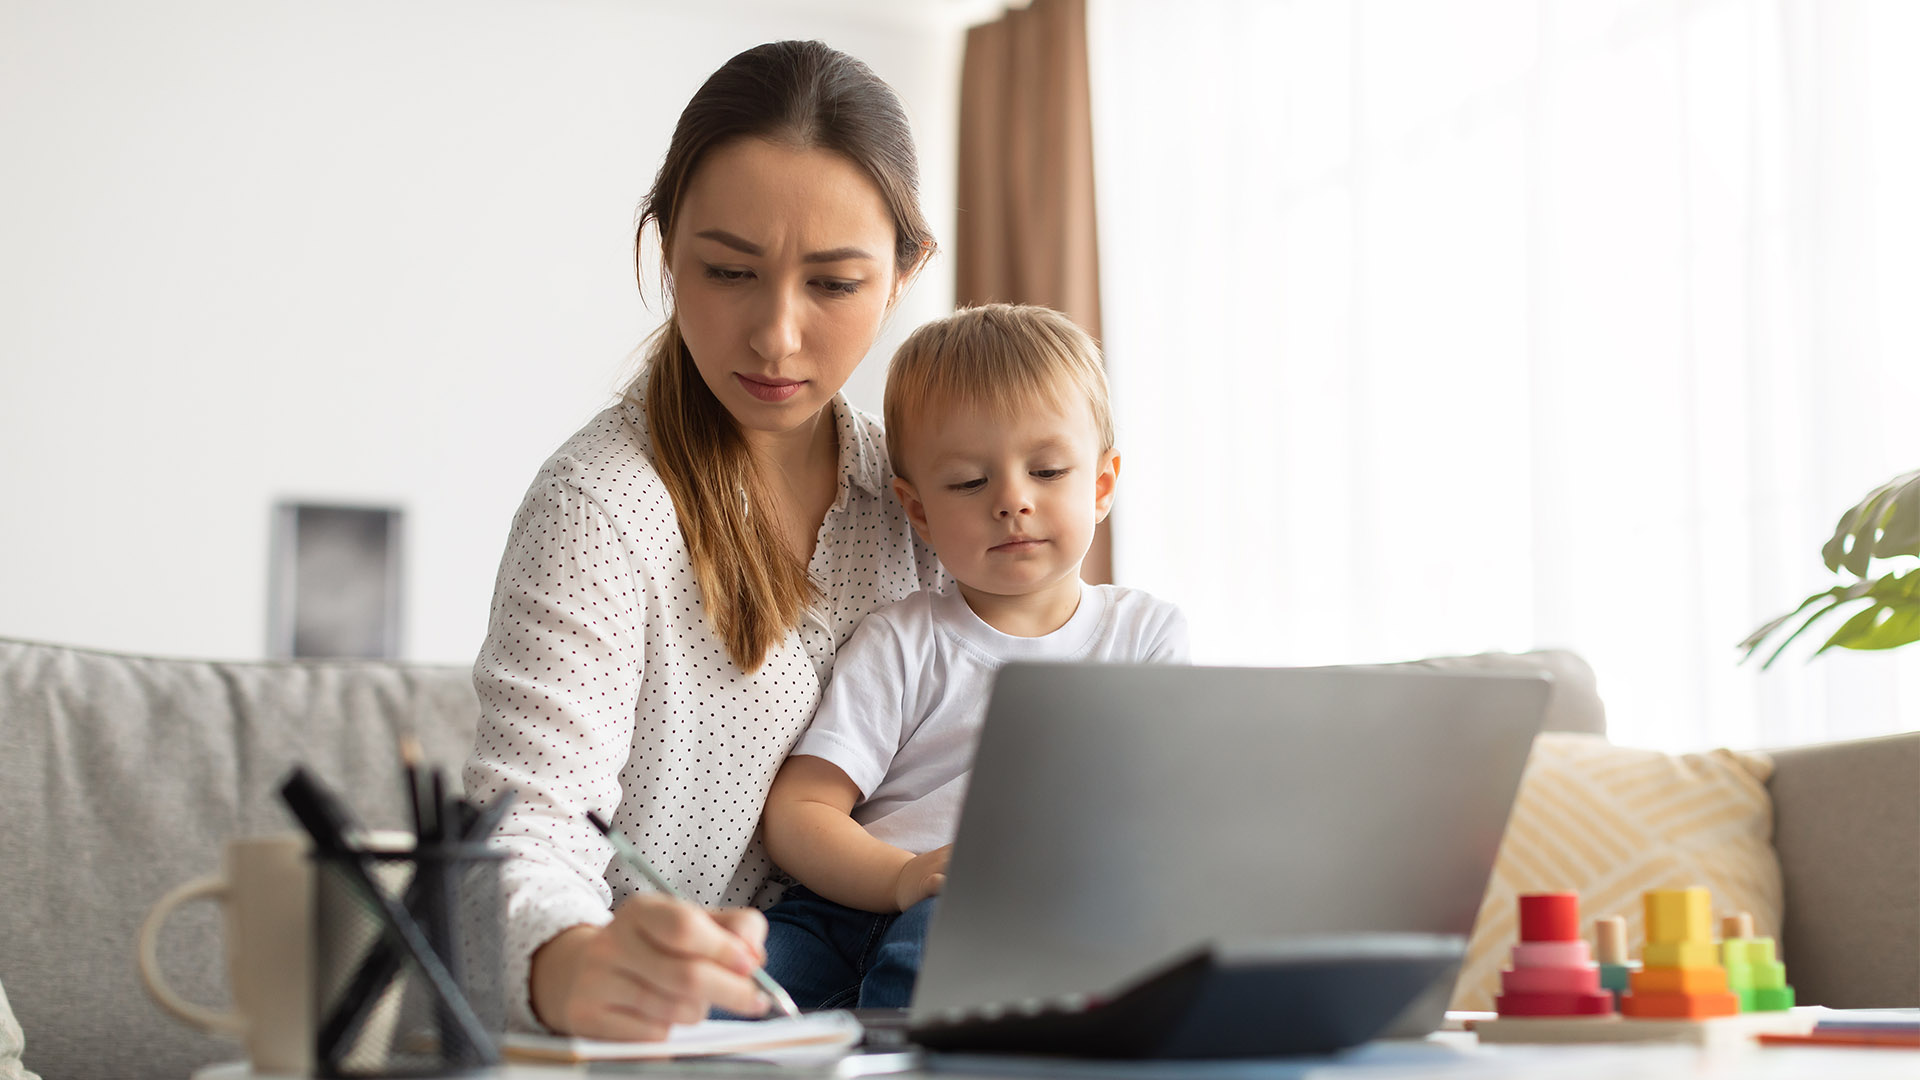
(411,987)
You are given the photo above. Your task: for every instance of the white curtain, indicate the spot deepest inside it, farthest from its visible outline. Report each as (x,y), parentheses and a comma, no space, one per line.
(1501,324)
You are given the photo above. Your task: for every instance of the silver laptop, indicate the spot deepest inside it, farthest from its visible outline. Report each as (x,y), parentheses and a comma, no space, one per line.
(1122,815)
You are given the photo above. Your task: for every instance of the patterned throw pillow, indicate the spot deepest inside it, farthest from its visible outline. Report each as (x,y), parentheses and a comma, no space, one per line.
(1610,822)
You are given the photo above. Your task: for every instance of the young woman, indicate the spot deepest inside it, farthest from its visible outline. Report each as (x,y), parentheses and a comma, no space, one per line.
(682,570)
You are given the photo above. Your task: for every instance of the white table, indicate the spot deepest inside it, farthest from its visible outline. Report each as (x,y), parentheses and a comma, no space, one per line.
(1443,1056)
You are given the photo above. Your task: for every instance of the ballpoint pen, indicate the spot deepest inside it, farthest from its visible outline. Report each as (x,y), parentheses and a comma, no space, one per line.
(625,849)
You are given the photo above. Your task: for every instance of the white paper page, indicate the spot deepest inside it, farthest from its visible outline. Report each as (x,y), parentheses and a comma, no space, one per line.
(802,1038)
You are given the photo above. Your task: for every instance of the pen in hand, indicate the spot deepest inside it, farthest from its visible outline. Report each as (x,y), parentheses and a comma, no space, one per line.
(631,855)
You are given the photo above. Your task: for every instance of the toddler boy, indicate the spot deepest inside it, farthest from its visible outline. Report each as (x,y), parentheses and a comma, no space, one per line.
(1001,438)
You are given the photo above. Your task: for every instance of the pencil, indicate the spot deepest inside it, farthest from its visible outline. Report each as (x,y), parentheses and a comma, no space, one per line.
(410,767)
(625,849)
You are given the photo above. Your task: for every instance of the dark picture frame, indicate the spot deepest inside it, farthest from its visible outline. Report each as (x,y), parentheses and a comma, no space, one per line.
(335,581)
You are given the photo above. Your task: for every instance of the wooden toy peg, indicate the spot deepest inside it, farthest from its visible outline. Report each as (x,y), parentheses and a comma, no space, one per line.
(1737,925)
(1610,939)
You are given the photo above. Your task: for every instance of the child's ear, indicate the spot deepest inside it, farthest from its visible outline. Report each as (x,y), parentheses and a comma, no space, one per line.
(1104,483)
(916,510)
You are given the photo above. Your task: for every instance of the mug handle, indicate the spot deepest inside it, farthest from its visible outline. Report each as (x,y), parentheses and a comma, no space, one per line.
(224,1023)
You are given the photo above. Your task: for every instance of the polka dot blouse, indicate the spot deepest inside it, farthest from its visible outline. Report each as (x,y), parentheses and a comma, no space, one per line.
(603,687)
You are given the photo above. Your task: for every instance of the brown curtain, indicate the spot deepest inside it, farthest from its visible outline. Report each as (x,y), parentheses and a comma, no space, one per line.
(1026,224)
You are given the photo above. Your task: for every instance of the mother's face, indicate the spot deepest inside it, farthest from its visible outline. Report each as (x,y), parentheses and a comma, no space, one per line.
(783,269)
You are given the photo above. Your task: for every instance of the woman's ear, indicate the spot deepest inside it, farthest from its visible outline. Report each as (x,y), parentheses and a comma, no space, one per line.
(905,278)
(916,510)
(1104,483)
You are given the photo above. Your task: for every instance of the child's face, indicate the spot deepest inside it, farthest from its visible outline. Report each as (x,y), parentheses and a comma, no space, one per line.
(1008,502)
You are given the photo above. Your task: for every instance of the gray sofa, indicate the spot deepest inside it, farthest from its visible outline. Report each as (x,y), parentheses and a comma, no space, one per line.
(121,776)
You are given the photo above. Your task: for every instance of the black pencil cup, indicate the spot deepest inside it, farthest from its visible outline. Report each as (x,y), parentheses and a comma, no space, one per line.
(407,983)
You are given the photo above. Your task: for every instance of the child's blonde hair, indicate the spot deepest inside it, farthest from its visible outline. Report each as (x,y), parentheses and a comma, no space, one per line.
(999,357)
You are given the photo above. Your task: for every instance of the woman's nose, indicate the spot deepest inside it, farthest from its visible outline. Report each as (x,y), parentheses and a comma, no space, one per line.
(776,333)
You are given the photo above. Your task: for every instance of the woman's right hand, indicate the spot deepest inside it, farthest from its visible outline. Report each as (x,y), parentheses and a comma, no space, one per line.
(924,875)
(660,962)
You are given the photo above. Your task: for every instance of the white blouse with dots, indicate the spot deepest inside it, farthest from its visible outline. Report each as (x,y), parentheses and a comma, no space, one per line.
(602,686)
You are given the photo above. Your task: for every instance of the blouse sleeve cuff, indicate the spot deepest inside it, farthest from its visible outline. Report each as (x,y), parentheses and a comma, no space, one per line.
(533,923)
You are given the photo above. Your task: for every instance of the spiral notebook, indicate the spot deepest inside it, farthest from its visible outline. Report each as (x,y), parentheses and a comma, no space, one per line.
(811,1034)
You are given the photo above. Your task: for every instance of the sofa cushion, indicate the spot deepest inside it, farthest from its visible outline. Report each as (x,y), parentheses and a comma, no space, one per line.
(1847,827)
(123,776)
(1610,822)
(1574,703)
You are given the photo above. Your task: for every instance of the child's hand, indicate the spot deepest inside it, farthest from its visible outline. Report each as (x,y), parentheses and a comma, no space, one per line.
(923,876)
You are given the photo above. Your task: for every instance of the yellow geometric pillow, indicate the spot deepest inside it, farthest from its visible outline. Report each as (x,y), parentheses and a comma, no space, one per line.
(1610,822)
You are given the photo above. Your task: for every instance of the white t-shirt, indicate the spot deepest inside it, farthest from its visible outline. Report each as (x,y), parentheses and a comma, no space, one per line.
(909,694)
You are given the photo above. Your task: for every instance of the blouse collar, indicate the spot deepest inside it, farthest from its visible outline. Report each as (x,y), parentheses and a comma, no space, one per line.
(863,461)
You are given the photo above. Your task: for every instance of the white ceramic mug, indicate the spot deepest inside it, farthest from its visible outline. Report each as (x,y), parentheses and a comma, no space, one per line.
(265,888)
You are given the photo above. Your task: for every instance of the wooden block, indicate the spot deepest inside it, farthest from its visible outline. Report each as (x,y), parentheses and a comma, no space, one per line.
(1719,1031)
(1558,954)
(1615,977)
(1771,999)
(1739,979)
(1680,1006)
(1595,1004)
(1550,916)
(1737,925)
(1610,940)
(1677,915)
(1684,954)
(1733,957)
(1758,951)
(1707,980)
(1768,976)
(1551,980)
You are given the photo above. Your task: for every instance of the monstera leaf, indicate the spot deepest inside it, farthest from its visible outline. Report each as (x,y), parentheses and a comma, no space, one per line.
(1884,525)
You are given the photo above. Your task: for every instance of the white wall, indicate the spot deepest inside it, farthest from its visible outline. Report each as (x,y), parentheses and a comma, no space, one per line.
(349,251)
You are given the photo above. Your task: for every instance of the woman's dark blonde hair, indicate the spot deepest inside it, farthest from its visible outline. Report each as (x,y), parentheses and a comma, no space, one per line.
(793,93)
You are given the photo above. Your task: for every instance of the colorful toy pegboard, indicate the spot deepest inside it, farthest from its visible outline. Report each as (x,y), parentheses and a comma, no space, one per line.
(1553,973)
(1680,976)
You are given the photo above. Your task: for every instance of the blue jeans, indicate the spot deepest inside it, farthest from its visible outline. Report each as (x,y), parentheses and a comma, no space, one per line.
(834,957)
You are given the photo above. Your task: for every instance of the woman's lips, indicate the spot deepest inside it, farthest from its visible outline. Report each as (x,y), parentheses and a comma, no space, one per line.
(770,390)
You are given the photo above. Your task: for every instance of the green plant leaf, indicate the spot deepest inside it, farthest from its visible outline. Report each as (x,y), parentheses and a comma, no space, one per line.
(1863,524)
(1900,628)
(1892,619)
(1754,639)
(1900,535)
(1868,531)
(1884,525)
(1856,626)
(1834,551)
(1841,595)
(1881,625)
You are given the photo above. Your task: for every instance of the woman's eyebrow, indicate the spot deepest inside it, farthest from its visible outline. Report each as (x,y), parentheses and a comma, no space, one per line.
(745,247)
(839,254)
(748,247)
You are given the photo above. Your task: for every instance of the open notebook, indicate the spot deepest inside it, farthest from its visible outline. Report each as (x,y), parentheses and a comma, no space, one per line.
(760,1038)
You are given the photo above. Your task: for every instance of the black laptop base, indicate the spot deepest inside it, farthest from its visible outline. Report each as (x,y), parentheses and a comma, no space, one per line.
(1215,1003)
